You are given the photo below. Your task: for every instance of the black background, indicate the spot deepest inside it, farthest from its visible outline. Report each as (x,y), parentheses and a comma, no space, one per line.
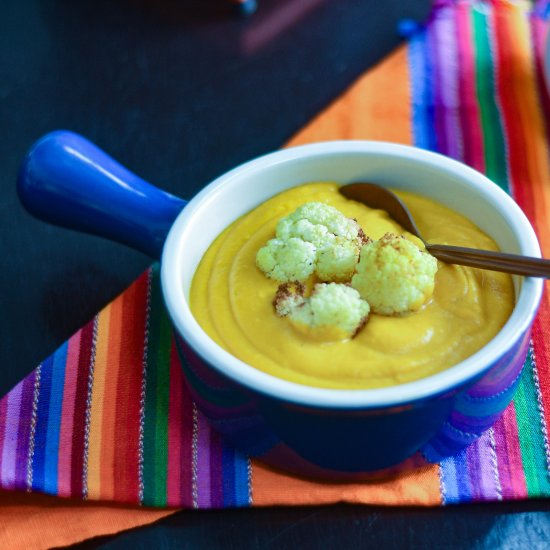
(181,91)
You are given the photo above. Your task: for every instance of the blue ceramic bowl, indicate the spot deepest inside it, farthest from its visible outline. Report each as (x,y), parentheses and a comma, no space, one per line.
(333,434)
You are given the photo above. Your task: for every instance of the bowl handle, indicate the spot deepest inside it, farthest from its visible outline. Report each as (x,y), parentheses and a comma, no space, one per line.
(66,180)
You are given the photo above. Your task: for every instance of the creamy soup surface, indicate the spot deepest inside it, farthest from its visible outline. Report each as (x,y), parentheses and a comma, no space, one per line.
(232,301)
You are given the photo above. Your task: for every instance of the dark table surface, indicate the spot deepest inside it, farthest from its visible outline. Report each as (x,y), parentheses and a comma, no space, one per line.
(180,91)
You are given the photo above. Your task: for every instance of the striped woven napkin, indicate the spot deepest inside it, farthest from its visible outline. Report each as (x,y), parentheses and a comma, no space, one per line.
(108,417)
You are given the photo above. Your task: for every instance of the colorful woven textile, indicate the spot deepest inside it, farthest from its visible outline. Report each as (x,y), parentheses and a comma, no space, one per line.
(478,96)
(108,417)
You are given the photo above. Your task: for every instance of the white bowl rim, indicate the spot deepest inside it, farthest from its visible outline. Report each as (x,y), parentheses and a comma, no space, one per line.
(280,389)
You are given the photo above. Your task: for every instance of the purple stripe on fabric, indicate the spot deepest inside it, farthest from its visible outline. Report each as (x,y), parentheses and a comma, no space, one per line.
(447,83)
(32,432)
(203,462)
(480,467)
(7,473)
(23,440)
(473,470)
(437,106)
(494,463)
(217,472)
(3,415)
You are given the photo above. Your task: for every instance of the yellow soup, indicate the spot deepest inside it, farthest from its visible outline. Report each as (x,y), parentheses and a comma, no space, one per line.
(232,300)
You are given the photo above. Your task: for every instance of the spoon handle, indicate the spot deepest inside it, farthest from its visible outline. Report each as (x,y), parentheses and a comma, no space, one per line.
(487,259)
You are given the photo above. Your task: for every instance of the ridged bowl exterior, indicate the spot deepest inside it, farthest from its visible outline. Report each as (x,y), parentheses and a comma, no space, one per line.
(354,443)
(349,434)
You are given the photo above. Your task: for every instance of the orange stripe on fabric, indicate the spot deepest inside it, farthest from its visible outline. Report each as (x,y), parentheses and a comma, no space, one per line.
(370,109)
(108,443)
(98,398)
(416,487)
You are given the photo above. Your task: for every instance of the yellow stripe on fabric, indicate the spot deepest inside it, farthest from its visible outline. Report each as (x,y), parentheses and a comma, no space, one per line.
(98,396)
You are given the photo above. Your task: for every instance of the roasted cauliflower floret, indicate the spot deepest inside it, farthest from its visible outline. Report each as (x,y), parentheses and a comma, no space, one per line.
(328,220)
(287,260)
(333,311)
(338,261)
(394,275)
(333,241)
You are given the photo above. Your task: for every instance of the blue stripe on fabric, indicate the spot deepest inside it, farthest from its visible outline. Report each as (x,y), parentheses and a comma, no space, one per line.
(54,419)
(421,75)
(457,478)
(448,476)
(463,477)
(430,85)
(242,481)
(38,459)
(228,476)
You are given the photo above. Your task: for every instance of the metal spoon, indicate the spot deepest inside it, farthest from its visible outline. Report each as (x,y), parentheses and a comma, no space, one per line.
(376,196)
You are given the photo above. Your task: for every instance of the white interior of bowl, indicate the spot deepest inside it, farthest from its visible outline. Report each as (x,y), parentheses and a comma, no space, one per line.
(398,166)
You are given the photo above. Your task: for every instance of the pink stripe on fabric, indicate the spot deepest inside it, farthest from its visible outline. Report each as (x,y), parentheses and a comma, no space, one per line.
(539,34)
(67,417)
(474,153)
(512,477)
(9,450)
(175,415)
(203,462)
(189,429)
(448,85)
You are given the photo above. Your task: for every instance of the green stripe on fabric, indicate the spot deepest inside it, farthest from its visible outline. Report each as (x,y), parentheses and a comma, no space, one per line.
(162,405)
(154,378)
(495,148)
(531,437)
